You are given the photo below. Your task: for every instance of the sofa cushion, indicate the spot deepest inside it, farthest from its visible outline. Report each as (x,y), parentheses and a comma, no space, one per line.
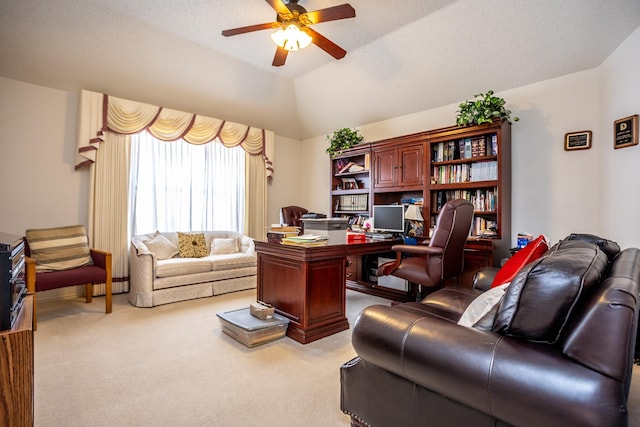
(482,311)
(59,248)
(231,261)
(534,250)
(609,247)
(540,299)
(162,247)
(224,246)
(182,266)
(192,245)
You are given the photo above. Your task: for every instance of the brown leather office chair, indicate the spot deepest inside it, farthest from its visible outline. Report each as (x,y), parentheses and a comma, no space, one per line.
(429,265)
(292,215)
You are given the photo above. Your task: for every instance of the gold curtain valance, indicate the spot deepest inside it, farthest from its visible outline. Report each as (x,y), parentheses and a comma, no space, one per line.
(100,112)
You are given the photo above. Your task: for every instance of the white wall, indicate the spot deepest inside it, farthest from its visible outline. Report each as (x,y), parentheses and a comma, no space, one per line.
(285,188)
(40,187)
(620,177)
(554,192)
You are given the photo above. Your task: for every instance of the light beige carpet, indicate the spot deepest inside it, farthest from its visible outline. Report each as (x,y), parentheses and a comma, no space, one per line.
(173,366)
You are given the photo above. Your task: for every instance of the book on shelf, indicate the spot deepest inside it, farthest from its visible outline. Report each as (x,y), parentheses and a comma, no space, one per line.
(482,200)
(353,203)
(466,148)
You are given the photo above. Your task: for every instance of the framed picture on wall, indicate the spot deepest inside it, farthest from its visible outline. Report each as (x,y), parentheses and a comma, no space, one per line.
(625,132)
(577,140)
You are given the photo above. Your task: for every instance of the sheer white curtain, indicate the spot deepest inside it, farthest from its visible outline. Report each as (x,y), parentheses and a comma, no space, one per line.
(177,186)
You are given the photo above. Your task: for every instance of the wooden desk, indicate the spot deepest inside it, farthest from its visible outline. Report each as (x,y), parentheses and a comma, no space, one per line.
(307,284)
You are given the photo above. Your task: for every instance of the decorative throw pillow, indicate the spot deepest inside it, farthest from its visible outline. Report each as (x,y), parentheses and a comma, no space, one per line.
(162,247)
(59,248)
(539,302)
(482,310)
(224,246)
(192,245)
(534,250)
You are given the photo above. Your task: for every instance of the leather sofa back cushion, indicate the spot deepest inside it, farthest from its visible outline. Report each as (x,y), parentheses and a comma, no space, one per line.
(538,303)
(609,247)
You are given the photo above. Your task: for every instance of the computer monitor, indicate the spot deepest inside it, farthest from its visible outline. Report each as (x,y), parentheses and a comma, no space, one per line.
(388,218)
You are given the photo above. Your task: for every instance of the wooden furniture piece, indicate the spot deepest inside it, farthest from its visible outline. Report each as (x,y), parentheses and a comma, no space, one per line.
(474,163)
(429,265)
(408,169)
(12,280)
(16,369)
(98,272)
(307,284)
(398,167)
(346,200)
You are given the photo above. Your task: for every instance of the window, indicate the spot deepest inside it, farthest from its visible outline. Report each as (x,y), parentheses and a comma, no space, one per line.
(177,186)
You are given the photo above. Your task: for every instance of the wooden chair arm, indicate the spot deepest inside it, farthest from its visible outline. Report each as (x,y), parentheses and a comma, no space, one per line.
(100,258)
(30,273)
(388,268)
(417,249)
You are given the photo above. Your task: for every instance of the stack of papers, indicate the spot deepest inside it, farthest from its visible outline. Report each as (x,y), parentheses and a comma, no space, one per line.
(306,240)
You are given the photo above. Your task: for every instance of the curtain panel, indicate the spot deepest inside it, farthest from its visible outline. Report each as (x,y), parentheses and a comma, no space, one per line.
(109,120)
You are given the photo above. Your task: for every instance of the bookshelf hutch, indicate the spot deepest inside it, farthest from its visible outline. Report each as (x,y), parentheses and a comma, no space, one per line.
(427,169)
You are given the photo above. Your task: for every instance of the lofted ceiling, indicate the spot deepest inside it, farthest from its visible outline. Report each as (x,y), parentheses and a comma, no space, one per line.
(402,57)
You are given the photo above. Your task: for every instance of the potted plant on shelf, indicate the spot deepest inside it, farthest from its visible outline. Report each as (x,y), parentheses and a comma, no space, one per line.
(483,109)
(343,139)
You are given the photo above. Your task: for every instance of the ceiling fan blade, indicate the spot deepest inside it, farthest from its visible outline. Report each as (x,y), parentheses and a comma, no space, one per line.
(280,57)
(342,11)
(325,44)
(248,29)
(279,6)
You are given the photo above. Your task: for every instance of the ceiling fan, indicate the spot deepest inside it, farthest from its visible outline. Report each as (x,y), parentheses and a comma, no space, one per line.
(293,31)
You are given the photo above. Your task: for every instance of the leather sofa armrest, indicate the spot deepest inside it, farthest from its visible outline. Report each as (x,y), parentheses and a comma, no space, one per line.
(484,277)
(398,341)
(483,370)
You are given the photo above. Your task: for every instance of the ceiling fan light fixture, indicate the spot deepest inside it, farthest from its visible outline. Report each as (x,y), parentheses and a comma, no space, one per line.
(291,38)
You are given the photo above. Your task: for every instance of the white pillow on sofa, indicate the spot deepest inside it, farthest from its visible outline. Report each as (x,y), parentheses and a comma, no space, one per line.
(482,310)
(224,246)
(162,247)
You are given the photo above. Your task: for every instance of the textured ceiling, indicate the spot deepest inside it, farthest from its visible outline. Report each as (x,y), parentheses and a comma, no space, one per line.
(403,57)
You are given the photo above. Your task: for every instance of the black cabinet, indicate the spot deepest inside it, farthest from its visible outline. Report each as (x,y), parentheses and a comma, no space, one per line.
(12,282)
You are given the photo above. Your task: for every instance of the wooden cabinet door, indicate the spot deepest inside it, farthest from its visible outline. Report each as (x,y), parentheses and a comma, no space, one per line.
(385,168)
(412,161)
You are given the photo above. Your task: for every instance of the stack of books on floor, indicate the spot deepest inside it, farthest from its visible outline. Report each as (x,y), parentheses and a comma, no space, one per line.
(277,233)
(306,240)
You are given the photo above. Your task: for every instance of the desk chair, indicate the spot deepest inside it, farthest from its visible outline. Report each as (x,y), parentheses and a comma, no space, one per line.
(292,215)
(431,264)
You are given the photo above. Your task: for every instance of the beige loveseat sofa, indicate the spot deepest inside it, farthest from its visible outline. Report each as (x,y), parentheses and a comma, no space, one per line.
(159,275)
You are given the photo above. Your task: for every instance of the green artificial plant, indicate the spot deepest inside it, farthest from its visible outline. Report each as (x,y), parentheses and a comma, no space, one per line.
(343,139)
(483,109)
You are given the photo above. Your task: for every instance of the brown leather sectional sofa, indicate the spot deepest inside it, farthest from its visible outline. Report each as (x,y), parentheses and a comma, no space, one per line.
(559,352)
